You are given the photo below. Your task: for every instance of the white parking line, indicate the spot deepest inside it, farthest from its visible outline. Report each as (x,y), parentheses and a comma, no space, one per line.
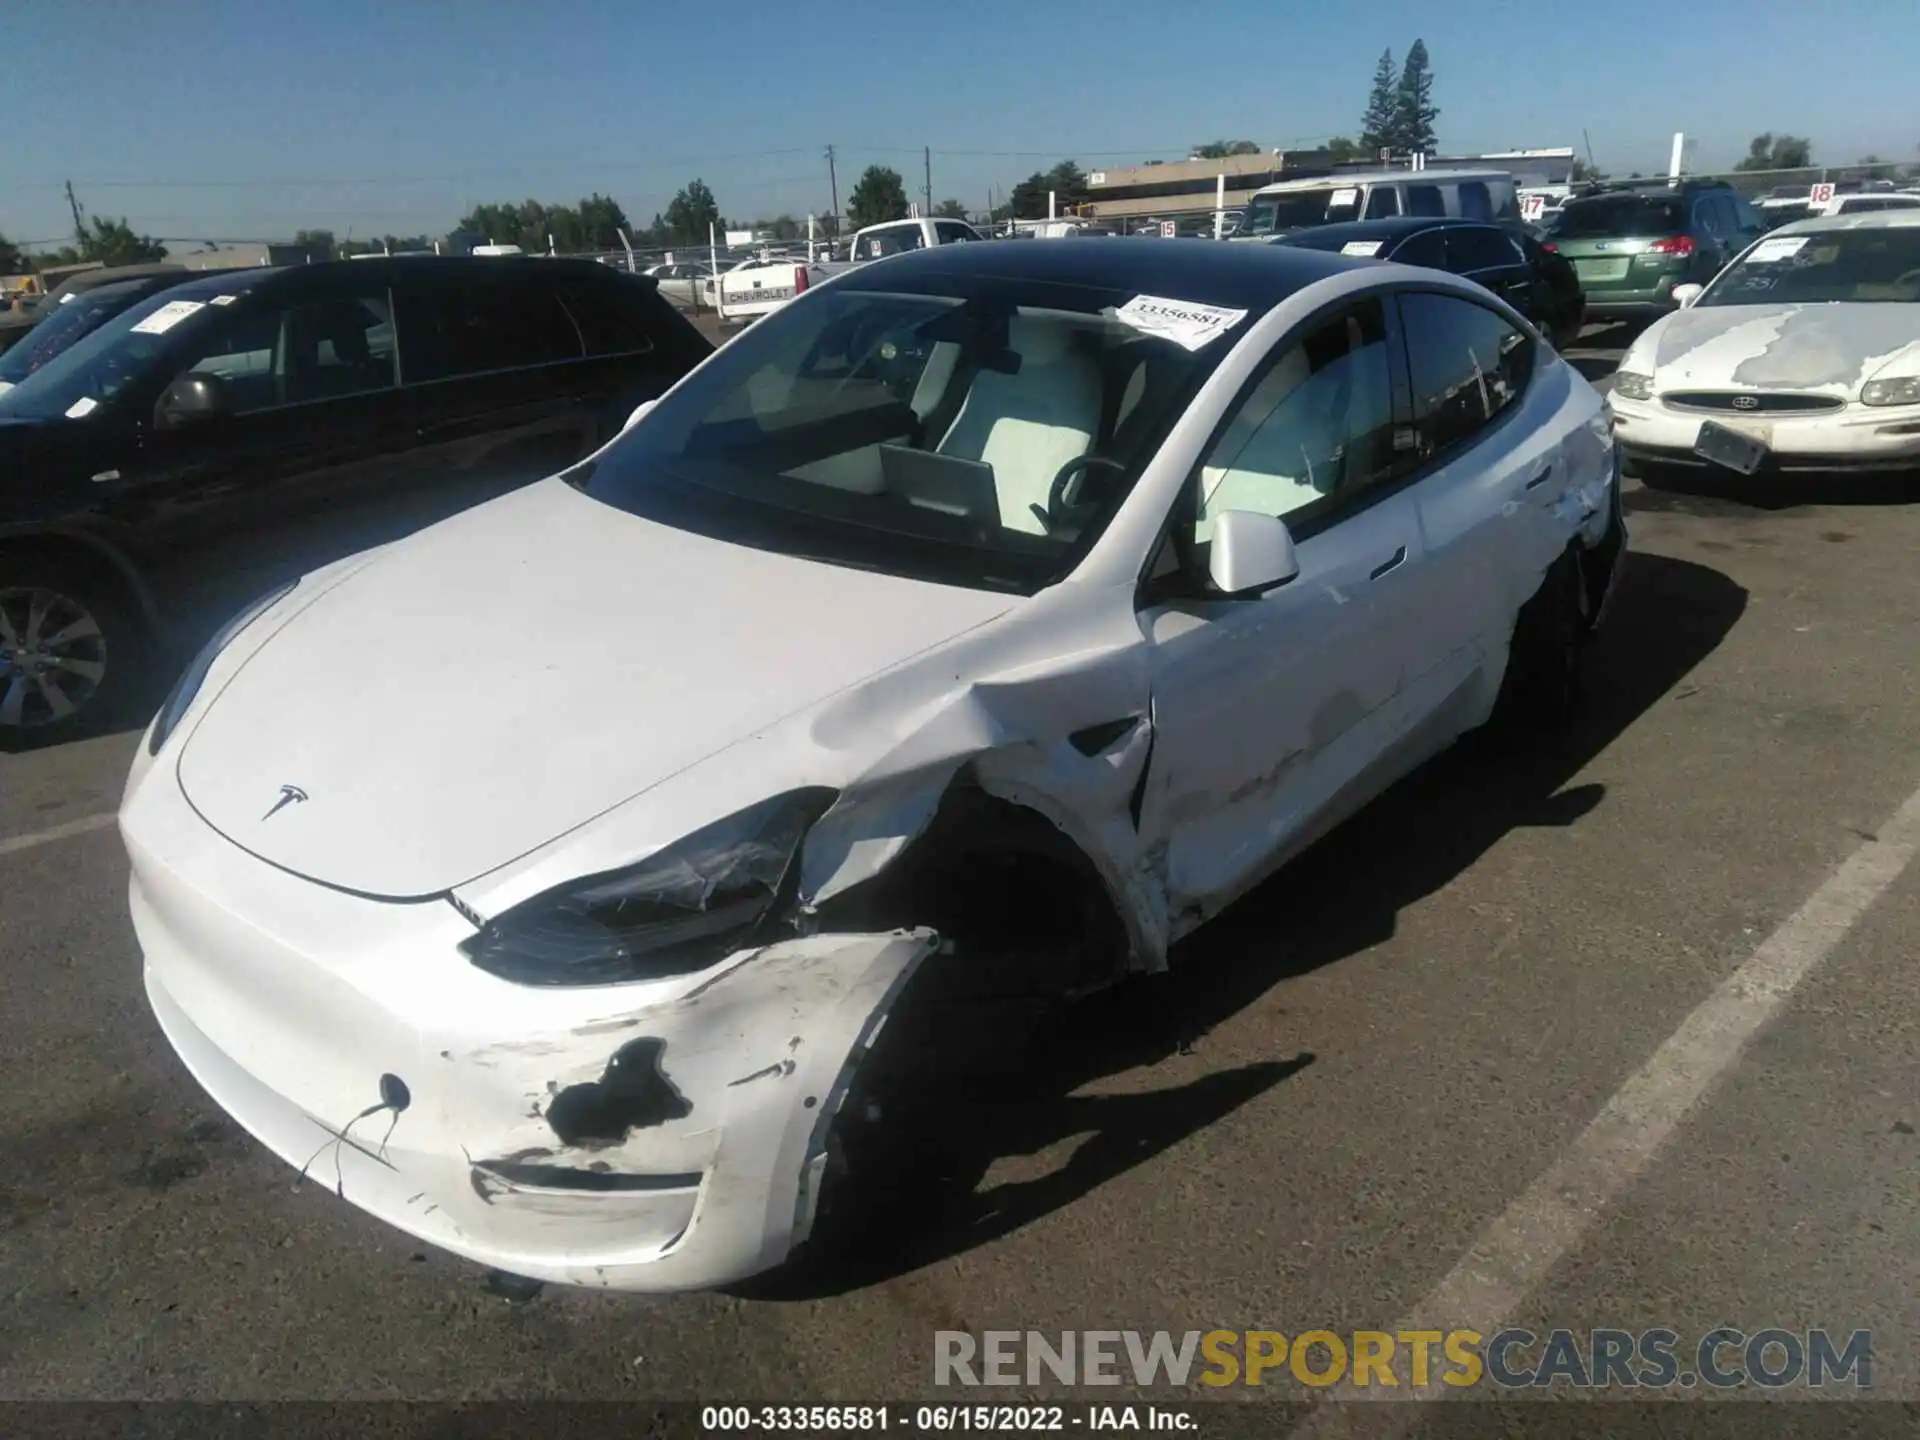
(1542,1227)
(83,826)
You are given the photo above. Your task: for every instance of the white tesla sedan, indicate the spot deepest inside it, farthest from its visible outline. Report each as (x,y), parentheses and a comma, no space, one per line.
(1802,355)
(541,882)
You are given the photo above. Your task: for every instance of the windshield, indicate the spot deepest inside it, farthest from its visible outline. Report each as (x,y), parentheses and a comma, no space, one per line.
(1616,216)
(976,431)
(95,368)
(1296,209)
(65,324)
(1879,266)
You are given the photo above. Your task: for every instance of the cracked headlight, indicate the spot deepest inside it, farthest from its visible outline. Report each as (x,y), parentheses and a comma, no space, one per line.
(1631,385)
(1903,391)
(187,688)
(723,888)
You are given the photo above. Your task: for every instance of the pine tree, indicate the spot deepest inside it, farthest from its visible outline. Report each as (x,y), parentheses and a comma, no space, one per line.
(1377,125)
(1413,108)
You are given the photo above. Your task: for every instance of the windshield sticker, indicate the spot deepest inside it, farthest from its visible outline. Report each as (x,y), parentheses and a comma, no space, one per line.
(167,316)
(1362,247)
(1780,247)
(1343,197)
(82,407)
(1181,321)
(223,299)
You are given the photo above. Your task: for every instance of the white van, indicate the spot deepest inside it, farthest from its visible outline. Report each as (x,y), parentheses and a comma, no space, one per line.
(1375,195)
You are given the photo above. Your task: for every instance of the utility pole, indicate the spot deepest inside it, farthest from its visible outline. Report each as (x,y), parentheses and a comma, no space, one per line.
(926,159)
(79,224)
(833,183)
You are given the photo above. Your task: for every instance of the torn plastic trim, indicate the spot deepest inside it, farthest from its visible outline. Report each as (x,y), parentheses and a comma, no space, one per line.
(495,1177)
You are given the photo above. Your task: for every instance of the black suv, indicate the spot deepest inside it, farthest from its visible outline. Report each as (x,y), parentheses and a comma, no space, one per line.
(1501,258)
(1631,244)
(245,428)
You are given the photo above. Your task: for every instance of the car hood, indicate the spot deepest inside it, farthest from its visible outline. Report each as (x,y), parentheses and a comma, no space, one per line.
(1830,349)
(493,682)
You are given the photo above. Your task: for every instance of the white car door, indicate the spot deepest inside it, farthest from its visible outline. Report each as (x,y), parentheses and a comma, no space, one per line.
(1494,472)
(1271,713)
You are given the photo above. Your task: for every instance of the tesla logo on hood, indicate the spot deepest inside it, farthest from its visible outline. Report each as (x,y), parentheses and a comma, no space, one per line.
(289,795)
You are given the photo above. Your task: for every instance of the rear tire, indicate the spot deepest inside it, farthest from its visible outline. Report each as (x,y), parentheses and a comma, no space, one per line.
(71,653)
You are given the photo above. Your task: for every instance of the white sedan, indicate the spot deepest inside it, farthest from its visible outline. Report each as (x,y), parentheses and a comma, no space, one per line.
(1802,355)
(540,882)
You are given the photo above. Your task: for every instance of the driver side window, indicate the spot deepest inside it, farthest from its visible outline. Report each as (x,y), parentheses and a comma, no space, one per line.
(317,351)
(1312,432)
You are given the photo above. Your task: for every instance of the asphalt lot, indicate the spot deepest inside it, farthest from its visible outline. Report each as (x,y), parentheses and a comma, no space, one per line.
(1348,1078)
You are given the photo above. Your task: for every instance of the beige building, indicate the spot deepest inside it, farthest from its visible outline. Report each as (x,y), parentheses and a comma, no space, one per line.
(1189,187)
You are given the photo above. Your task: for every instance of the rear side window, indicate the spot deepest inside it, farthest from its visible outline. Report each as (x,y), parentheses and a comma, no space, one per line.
(1426,200)
(1471,248)
(951,232)
(1475,202)
(1467,364)
(610,323)
(1383,202)
(470,329)
(1428,248)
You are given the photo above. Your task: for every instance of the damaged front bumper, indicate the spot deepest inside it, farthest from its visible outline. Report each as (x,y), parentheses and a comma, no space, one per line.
(670,1135)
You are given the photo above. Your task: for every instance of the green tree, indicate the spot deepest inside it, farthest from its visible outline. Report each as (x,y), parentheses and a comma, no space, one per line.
(690,214)
(113,242)
(601,221)
(1413,107)
(10,257)
(1769,151)
(950,210)
(1345,151)
(1221,149)
(1068,183)
(880,195)
(1379,125)
(318,243)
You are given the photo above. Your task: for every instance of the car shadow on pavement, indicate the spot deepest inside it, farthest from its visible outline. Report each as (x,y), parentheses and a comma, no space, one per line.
(938,1198)
(1722,494)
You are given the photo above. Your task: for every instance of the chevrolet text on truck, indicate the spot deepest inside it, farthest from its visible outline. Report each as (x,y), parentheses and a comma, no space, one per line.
(759,287)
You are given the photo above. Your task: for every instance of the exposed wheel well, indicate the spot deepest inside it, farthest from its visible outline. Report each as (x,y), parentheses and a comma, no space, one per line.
(1020,902)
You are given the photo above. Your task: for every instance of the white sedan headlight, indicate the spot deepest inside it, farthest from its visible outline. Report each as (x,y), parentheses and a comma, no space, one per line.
(1902,391)
(723,888)
(1631,385)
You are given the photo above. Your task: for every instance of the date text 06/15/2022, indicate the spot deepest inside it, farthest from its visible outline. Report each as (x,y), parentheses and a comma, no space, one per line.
(933,1419)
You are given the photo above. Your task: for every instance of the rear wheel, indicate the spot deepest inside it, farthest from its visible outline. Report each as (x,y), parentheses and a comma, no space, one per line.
(69,651)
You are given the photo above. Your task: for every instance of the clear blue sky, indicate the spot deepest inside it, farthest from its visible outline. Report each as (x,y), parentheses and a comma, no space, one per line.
(254,119)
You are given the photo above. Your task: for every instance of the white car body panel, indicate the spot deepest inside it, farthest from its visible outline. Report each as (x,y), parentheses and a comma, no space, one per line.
(581,688)
(561,622)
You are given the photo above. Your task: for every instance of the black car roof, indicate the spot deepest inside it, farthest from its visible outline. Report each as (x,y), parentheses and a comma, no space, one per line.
(1396,227)
(235,282)
(1242,277)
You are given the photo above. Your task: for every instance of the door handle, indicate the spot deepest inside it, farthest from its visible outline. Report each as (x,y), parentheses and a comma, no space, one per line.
(1546,474)
(1391,563)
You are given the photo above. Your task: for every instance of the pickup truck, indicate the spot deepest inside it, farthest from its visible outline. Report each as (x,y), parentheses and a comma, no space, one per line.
(759,287)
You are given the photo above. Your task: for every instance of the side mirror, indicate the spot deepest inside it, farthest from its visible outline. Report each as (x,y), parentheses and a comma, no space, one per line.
(1250,554)
(194,397)
(639,411)
(1685,295)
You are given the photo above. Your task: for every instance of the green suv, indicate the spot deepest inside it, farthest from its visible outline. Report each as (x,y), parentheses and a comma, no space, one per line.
(1631,244)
